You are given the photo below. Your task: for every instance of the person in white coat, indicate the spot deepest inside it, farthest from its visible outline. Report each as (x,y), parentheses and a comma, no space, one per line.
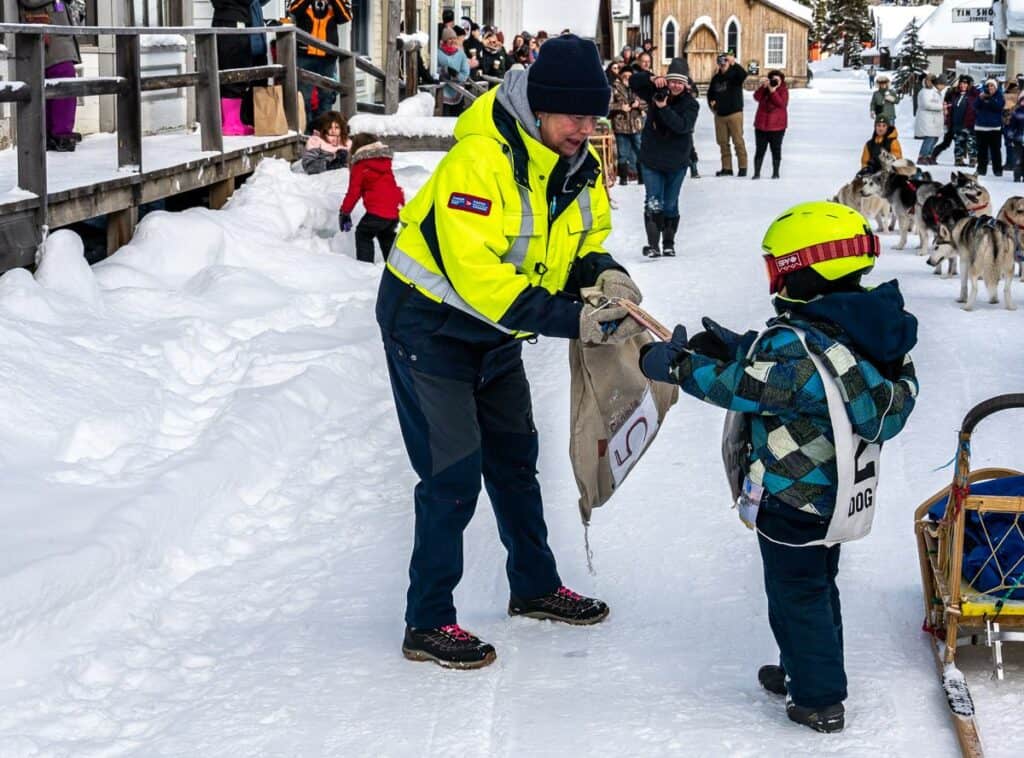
(929,122)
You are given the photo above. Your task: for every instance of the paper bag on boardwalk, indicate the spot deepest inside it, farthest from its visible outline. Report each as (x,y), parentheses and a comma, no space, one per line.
(268,111)
(616,411)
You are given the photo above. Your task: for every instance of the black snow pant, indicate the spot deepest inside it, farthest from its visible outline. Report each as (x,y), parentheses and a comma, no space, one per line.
(372,228)
(464,408)
(803,608)
(947,140)
(990,145)
(762,141)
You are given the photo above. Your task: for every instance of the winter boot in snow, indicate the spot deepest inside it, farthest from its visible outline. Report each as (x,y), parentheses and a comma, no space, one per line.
(724,172)
(668,236)
(231,118)
(773,679)
(561,605)
(653,223)
(450,646)
(742,171)
(623,174)
(829,719)
(775,168)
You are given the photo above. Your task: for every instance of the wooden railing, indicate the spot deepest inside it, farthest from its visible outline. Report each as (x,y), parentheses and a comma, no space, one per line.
(30,89)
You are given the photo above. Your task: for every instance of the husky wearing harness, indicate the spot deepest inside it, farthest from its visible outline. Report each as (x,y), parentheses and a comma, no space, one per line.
(985,247)
(864,195)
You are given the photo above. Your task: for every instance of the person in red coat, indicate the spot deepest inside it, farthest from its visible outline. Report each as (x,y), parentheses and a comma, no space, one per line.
(371,179)
(771,120)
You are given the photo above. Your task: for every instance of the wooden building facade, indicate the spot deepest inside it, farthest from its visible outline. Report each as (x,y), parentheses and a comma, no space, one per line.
(764,34)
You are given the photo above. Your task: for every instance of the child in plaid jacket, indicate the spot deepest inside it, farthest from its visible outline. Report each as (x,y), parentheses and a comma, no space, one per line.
(861,339)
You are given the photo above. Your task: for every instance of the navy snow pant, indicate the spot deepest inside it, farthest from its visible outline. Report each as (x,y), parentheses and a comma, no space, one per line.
(463,405)
(803,609)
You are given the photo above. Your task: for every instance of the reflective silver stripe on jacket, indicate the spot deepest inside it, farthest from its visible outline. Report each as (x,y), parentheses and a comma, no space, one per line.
(517,255)
(587,215)
(436,284)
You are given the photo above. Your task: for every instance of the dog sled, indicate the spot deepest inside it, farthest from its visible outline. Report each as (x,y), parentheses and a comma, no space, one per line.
(970,538)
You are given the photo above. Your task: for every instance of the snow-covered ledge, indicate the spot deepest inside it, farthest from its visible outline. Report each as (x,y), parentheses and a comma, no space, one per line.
(413,127)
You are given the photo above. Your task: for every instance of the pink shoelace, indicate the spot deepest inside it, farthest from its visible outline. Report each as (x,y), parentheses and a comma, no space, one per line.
(456,632)
(568,594)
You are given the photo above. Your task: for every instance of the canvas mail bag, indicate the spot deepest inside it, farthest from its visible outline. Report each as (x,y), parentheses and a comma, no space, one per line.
(857,461)
(268,111)
(615,414)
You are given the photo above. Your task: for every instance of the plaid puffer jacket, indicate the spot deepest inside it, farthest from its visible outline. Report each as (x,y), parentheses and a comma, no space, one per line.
(792,451)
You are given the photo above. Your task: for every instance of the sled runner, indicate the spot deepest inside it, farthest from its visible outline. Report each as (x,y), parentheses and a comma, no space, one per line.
(970,539)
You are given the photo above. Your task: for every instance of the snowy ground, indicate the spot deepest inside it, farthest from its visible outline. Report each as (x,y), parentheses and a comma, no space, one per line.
(208,507)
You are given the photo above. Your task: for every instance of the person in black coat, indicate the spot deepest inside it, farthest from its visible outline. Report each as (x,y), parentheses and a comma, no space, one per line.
(725,96)
(665,151)
(234,51)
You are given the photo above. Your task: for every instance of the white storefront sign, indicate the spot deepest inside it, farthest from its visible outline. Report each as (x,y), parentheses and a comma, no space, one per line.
(972,15)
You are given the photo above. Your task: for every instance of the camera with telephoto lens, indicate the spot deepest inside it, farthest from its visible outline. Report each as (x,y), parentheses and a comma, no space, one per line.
(774,81)
(661,94)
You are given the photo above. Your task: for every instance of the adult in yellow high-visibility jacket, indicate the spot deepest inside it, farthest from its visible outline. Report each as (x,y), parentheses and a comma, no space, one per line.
(496,247)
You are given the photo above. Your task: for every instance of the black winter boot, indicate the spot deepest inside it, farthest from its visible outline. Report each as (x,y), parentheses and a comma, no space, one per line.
(724,172)
(773,679)
(741,172)
(449,646)
(653,223)
(831,718)
(623,174)
(775,168)
(639,174)
(561,605)
(668,236)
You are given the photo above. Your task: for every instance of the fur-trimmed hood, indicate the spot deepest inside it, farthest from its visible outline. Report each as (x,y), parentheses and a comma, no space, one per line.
(373,150)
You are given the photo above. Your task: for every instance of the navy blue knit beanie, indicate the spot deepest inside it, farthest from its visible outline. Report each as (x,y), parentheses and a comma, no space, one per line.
(568,77)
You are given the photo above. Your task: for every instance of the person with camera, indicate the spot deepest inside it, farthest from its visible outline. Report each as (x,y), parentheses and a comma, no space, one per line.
(725,96)
(771,120)
(665,148)
(988,127)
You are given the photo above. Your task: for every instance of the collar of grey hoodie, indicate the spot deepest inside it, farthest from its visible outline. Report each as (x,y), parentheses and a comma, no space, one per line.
(512,97)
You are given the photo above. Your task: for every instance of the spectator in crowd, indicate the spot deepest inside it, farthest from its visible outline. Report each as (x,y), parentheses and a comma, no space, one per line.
(883,101)
(1015,130)
(948,94)
(1009,105)
(517,42)
(962,116)
(542,37)
(871,76)
(886,138)
(521,59)
(649,48)
(328,148)
(321,19)
(473,46)
(665,148)
(988,127)
(644,62)
(928,124)
(373,181)
(627,115)
(447,21)
(612,72)
(495,60)
(59,61)
(628,57)
(452,66)
(771,120)
(725,96)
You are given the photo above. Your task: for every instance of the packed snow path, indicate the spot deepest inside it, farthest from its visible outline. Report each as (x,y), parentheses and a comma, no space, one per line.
(208,510)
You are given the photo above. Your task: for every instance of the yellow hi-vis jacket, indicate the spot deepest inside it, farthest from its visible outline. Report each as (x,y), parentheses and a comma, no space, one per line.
(480,237)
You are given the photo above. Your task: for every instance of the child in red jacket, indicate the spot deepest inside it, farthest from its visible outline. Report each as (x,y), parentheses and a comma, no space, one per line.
(371,179)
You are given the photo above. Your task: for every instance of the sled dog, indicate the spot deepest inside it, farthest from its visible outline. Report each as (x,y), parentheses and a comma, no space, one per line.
(864,195)
(1012,214)
(985,248)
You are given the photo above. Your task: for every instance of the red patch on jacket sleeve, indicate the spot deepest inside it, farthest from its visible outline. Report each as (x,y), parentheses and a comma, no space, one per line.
(460,201)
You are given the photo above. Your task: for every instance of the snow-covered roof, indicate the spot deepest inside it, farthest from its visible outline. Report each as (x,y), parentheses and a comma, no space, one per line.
(891,20)
(792,8)
(1014,16)
(940,32)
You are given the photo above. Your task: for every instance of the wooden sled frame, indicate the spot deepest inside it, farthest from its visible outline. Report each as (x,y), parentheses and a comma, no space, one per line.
(948,619)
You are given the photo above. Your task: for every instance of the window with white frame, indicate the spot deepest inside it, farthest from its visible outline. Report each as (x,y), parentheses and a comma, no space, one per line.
(775,50)
(669,34)
(732,37)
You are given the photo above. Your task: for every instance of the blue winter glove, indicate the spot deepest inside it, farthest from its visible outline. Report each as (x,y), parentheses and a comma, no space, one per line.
(657,358)
(344,222)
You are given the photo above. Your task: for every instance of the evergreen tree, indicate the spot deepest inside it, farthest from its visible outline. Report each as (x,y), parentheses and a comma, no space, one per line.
(911,63)
(847,27)
(820,22)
